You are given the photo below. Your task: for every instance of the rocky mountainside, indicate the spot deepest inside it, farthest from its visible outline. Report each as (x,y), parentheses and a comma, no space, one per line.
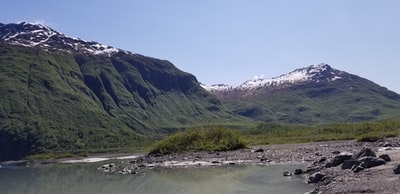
(60,93)
(317,93)
(40,36)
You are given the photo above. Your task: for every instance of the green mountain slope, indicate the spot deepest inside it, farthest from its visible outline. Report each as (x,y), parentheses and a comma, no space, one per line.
(58,101)
(321,95)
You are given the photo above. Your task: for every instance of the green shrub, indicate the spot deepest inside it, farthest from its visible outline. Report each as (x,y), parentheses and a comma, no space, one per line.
(200,139)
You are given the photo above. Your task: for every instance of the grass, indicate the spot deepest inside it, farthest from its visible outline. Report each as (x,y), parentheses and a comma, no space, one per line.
(213,138)
(58,102)
(267,133)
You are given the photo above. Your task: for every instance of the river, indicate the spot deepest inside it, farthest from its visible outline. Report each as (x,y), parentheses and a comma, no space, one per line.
(86,179)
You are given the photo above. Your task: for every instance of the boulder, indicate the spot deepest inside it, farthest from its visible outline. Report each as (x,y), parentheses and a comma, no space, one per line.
(349,164)
(396,169)
(316,177)
(298,171)
(339,159)
(287,173)
(385,157)
(358,168)
(364,152)
(369,162)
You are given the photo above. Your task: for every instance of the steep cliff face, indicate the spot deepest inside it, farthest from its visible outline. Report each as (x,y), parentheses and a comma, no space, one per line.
(60,94)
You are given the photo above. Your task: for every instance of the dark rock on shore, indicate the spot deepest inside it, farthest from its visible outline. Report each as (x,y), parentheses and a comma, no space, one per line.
(339,159)
(358,168)
(316,177)
(385,157)
(298,171)
(287,173)
(107,168)
(369,162)
(396,169)
(349,164)
(364,152)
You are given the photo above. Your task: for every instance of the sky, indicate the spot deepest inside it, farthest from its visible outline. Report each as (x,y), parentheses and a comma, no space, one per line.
(231,41)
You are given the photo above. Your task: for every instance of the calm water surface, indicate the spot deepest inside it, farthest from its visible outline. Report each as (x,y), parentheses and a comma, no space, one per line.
(85,179)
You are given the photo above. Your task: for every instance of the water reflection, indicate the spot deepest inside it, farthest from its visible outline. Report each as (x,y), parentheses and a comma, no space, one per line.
(84,178)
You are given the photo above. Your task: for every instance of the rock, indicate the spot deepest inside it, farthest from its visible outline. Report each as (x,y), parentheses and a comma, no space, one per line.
(364,152)
(336,152)
(349,164)
(369,161)
(358,168)
(107,167)
(214,162)
(287,173)
(259,150)
(339,159)
(298,171)
(323,159)
(396,169)
(387,144)
(312,169)
(316,177)
(385,157)
(264,160)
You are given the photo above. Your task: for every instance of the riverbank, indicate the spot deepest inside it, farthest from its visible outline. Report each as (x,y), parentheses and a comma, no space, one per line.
(379,179)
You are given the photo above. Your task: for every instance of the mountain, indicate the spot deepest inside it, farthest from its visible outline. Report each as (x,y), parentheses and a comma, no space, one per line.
(60,93)
(317,93)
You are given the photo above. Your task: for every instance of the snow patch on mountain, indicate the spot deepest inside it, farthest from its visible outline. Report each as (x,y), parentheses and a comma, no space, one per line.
(217,87)
(37,35)
(316,73)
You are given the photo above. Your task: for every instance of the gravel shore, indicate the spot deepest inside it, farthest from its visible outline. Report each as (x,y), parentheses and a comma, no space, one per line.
(379,179)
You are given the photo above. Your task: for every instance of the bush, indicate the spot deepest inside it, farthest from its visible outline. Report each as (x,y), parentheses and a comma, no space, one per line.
(200,139)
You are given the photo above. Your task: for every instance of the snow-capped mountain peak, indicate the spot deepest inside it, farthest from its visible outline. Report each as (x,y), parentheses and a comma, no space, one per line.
(37,35)
(314,73)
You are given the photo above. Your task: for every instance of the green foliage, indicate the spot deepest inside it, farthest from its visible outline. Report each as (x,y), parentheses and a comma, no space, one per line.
(271,133)
(62,102)
(200,139)
(350,99)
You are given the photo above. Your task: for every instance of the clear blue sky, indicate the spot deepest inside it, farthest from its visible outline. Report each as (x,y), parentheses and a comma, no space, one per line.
(230,41)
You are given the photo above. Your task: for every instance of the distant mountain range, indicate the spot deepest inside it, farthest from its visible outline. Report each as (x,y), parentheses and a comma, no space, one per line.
(61,93)
(317,93)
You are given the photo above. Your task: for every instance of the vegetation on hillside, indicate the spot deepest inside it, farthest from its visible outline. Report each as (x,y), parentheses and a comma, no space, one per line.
(217,138)
(54,102)
(351,99)
(213,138)
(272,133)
